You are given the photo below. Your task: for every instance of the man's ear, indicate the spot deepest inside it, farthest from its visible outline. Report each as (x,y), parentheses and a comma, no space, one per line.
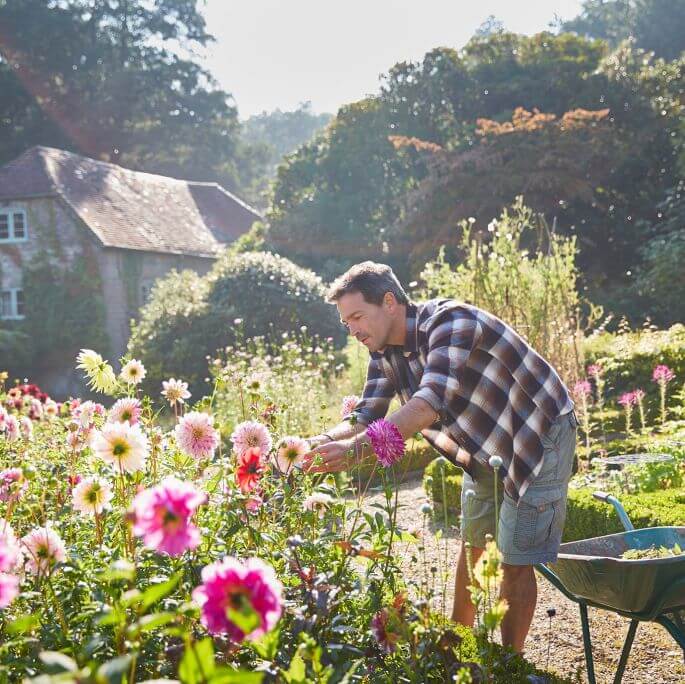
(390,301)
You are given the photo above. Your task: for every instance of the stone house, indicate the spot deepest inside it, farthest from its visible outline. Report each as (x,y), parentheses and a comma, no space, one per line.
(134,226)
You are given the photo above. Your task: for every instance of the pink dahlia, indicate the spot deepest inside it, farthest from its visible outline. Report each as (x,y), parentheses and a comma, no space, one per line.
(12,430)
(11,556)
(9,589)
(26,428)
(348,404)
(85,413)
(128,409)
(13,484)
(582,388)
(386,629)
(3,417)
(662,374)
(196,436)
(386,441)
(290,452)
(248,591)
(251,434)
(43,548)
(163,516)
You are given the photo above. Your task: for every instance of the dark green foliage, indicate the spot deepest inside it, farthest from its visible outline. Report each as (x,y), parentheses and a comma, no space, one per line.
(656,25)
(189,317)
(628,359)
(64,313)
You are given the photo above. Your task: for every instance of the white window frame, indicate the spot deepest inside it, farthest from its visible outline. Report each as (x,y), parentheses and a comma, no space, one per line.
(9,212)
(13,315)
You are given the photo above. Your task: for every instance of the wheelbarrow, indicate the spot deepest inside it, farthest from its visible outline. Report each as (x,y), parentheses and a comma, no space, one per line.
(591,572)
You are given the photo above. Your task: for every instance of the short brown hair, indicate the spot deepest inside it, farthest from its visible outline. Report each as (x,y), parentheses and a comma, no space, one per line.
(371,279)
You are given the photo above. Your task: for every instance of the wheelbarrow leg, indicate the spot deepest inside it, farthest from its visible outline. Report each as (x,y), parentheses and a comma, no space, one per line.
(627,646)
(675,628)
(587,644)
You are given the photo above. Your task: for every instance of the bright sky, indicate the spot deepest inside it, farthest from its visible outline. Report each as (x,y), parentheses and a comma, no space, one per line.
(278,53)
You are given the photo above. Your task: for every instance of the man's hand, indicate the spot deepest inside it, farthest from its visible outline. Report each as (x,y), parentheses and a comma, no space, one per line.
(334,457)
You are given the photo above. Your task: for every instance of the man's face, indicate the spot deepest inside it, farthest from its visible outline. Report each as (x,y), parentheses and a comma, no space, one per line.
(369,323)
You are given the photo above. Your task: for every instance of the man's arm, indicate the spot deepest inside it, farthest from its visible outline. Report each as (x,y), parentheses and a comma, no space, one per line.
(341,431)
(416,415)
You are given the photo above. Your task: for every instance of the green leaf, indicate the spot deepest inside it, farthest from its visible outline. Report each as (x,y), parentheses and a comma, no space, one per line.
(226,675)
(23,624)
(197,664)
(267,646)
(119,570)
(112,672)
(149,622)
(297,672)
(245,618)
(158,591)
(58,660)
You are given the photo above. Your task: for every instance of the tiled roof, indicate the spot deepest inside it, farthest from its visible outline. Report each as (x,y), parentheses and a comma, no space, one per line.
(131,209)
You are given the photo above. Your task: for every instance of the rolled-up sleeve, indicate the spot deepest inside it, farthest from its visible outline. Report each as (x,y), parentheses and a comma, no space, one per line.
(450,342)
(377,395)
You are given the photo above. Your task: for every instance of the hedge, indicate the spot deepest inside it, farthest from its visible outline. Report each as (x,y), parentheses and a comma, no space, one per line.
(586,517)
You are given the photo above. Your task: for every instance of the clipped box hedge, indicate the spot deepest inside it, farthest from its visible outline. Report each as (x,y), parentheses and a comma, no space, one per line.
(586,517)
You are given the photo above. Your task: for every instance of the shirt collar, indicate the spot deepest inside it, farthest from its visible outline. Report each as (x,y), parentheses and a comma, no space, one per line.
(411,343)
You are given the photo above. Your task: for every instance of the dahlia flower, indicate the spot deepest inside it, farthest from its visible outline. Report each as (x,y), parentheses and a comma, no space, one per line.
(175,390)
(12,430)
(318,502)
(91,495)
(250,469)
(26,428)
(242,599)
(250,434)
(9,589)
(13,484)
(125,410)
(51,410)
(11,556)
(386,441)
(100,374)
(163,514)
(386,629)
(290,452)
(123,446)
(43,549)
(84,413)
(133,372)
(196,435)
(348,404)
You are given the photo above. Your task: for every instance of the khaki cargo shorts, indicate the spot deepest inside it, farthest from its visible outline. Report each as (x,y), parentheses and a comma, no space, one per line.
(530,532)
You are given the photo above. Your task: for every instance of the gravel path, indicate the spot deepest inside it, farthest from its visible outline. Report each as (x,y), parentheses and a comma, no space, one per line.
(655,658)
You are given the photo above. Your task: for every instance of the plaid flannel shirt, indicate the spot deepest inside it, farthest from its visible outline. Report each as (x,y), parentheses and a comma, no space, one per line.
(493,393)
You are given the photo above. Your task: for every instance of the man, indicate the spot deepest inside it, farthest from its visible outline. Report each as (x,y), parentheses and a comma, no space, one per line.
(475,389)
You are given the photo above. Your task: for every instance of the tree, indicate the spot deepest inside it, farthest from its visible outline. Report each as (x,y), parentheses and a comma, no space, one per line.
(110,80)
(655,25)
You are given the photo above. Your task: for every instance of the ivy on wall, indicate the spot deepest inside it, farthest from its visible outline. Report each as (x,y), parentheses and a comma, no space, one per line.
(63,301)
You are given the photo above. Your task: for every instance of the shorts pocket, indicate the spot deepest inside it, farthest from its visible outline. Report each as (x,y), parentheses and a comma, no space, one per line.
(535,518)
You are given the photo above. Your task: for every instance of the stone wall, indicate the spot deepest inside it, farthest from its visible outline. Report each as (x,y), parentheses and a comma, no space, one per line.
(127,277)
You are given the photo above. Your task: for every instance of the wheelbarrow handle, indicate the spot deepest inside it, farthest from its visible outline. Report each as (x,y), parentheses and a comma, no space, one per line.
(622,515)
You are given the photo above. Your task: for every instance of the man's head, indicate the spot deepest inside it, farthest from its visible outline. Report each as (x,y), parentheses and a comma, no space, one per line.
(371,303)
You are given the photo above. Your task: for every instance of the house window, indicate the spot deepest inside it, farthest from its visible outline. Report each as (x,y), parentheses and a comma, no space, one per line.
(11,304)
(13,226)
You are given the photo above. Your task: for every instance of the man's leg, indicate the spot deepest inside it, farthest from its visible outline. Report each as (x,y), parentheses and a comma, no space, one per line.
(520,590)
(463,611)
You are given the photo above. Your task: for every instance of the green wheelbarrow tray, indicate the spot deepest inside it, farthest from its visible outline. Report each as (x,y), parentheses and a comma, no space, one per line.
(591,572)
(594,570)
